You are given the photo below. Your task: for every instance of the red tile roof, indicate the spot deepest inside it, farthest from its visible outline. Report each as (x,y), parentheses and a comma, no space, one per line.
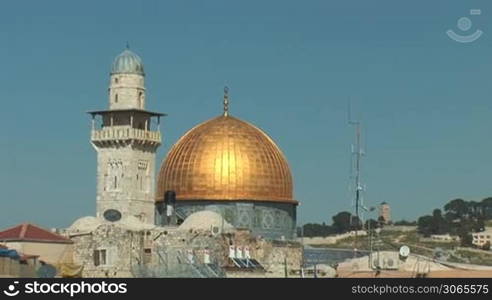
(31,233)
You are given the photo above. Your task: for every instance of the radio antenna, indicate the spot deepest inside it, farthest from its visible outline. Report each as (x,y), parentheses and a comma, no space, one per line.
(356,154)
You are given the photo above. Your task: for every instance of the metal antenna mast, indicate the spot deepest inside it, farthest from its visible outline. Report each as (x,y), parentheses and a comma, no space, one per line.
(358,153)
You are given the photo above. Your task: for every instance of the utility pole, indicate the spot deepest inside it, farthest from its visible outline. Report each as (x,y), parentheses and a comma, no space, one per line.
(370,230)
(303,253)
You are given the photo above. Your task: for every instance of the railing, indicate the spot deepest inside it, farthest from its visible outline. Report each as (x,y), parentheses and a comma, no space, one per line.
(174,263)
(125,133)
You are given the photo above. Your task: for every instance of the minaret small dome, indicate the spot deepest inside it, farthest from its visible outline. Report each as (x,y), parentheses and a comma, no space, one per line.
(127,63)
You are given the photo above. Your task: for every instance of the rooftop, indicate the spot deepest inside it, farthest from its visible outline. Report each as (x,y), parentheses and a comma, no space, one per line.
(27,232)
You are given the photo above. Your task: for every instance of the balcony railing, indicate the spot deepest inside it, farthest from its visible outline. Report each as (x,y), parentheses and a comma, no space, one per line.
(107,134)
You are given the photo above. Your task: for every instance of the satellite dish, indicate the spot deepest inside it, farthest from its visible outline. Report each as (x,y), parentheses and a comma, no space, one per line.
(112,215)
(404,251)
(46,271)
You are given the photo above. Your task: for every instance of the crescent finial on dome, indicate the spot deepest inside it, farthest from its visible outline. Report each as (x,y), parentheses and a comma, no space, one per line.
(226,101)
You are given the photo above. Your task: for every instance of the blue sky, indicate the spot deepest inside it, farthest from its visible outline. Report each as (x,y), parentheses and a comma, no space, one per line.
(425,100)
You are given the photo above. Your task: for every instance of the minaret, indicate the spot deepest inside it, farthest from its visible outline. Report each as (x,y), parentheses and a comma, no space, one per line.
(126,143)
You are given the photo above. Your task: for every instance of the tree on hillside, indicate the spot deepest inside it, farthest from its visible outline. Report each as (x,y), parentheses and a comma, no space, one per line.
(477,225)
(466,238)
(439,224)
(456,209)
(486,206)
(461,218)
(313,229)
(342,222)
(486,246)
(474,209)
(405,223)
(372,224)
(356,223)
(425,225)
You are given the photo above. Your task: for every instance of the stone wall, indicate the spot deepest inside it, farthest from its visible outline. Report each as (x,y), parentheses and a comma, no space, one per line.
(123,247)
(13,268)
(167,252)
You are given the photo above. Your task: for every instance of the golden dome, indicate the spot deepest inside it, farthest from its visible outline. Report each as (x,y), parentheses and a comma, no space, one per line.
(226,159)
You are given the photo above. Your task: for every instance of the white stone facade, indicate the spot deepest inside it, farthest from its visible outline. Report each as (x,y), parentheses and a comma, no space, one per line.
(125,181)
(482,238)
(127,91)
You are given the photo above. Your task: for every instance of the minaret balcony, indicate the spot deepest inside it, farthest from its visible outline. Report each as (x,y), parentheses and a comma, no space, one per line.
(125,133)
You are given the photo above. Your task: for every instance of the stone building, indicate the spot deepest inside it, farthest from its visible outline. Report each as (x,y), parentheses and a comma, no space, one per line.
(480,239)
(224,185)
(130,248)
(385,213)
(48,246)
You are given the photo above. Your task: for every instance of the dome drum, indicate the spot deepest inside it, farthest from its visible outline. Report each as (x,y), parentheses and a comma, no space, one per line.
(272,220)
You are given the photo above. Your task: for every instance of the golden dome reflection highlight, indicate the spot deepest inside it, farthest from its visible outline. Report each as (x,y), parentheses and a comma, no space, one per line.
(226,158)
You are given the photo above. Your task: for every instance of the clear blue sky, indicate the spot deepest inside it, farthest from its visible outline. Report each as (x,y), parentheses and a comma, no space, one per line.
(425,100)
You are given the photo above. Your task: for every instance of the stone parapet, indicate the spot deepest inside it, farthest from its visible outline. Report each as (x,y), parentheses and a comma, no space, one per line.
(125,133)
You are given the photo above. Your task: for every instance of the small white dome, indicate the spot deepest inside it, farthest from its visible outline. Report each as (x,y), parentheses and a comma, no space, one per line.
(127,63)
(85,224)
(205,220)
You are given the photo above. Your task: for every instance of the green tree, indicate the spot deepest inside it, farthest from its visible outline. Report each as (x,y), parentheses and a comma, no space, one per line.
(425,225)
(456,209)
(314,229)
(439,224)
(466,239)
(371,223)
(474,209)
(342,222)
(405,223)
(486,246)
(486,206)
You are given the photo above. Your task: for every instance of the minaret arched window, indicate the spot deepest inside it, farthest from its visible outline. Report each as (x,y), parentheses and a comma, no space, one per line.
(139,182)
(114,175)
(140,99)
(116,98)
